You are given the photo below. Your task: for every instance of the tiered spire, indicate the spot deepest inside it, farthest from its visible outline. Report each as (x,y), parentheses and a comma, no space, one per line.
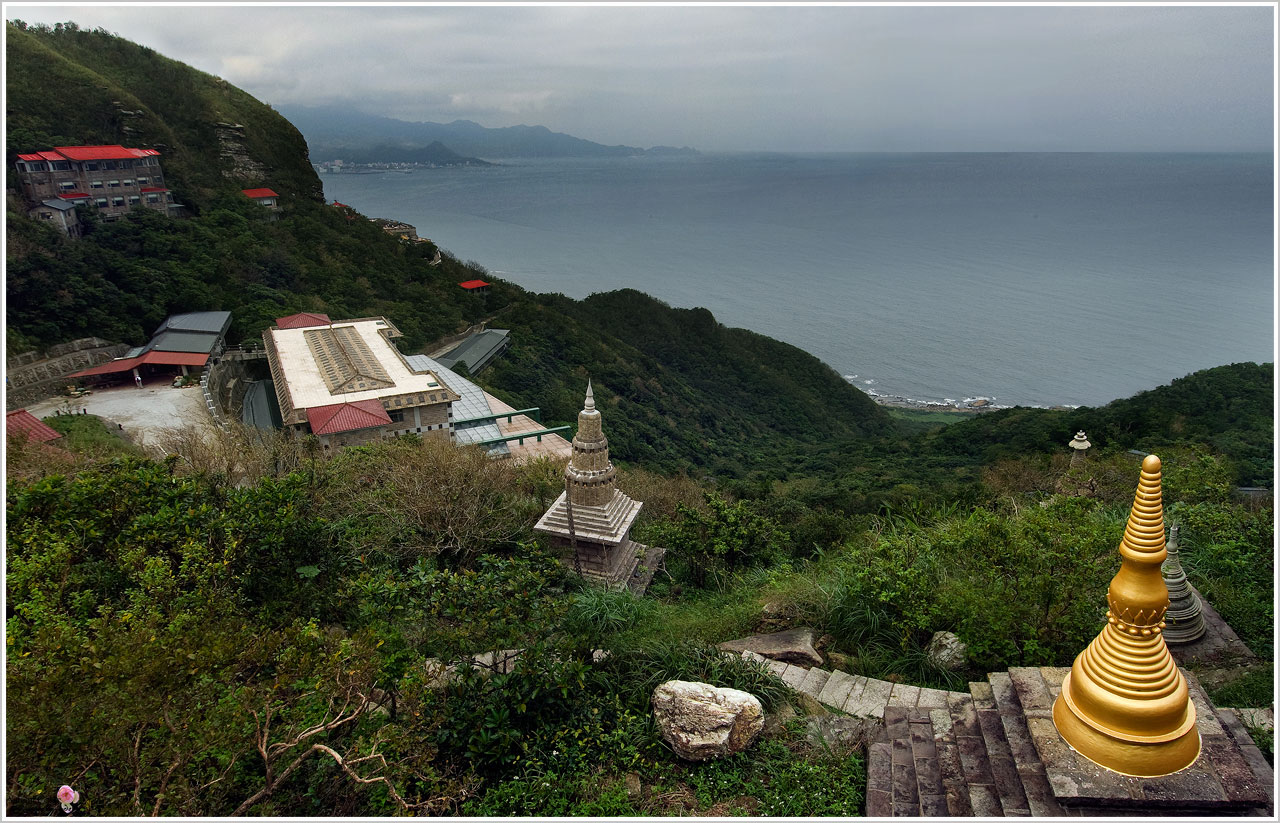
(1124,704)
(1187,624)
(1079,446)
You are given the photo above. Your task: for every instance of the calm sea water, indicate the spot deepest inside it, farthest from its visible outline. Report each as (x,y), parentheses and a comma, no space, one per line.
(1033,279)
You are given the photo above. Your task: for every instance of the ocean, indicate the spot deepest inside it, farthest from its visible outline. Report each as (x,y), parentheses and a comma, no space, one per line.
(1024,279)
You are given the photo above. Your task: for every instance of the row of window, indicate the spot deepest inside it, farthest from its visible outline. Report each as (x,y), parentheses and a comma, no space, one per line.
(70,185)
(91,165)
(116,202)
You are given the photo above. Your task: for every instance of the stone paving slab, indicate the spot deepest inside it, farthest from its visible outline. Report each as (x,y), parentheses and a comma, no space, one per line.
(906,797)
(1262,770)
(984,800)
(879,780)
(814,681)
(871,700)
(941,719)
(904,695)
(836,690)
(794,676)
(777,667)
(1032,691)
(932,699)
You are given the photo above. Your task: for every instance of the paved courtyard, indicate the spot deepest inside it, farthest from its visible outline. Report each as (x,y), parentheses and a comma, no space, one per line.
(145,413)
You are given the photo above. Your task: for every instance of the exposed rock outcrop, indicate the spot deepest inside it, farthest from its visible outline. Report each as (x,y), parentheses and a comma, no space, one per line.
(791,646)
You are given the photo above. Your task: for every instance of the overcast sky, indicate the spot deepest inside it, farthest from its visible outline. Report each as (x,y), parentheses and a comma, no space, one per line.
(735,78)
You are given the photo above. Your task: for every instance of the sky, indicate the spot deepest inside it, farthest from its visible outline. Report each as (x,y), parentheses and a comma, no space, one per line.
(852,78)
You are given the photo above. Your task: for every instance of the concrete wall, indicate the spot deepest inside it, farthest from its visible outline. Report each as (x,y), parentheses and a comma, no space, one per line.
(34,376)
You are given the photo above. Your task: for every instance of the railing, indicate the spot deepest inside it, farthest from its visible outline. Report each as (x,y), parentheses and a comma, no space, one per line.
(535,413)
(519,437)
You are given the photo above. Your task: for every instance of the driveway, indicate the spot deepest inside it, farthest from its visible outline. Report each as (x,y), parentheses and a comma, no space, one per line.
(145,413)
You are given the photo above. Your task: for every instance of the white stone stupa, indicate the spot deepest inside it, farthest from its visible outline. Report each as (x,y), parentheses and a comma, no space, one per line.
(592,516)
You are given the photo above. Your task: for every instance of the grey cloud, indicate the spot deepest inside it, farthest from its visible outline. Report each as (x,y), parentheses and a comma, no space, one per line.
(829,79)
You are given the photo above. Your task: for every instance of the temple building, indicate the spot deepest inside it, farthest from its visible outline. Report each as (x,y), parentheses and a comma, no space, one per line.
(108,179)
(347,384)
(592,516)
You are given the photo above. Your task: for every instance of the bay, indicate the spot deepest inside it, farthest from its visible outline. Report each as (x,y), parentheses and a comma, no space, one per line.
(1027,279)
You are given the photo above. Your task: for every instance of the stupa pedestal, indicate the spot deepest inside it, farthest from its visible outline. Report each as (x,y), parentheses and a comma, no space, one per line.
(592,517)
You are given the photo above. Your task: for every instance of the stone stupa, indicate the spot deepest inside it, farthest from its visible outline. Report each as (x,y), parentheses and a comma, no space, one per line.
(592,517)
(1187,624)
(1079,447)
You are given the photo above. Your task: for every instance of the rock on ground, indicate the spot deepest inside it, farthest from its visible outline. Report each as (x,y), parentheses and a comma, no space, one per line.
(702,722)
(947,651)
(791,646)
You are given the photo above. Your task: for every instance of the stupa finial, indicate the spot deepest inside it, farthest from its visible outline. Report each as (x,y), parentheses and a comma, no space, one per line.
(591,399)
(1124,704)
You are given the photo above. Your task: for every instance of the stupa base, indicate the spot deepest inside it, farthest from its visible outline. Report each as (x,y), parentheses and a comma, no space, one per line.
(1119,755)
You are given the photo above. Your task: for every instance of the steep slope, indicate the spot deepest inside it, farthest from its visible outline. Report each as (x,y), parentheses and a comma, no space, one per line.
(70,86)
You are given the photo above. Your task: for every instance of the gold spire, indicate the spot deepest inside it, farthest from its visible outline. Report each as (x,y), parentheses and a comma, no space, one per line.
(1124,704)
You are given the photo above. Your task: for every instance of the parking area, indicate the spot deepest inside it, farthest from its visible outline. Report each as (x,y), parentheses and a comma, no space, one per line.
(144,413)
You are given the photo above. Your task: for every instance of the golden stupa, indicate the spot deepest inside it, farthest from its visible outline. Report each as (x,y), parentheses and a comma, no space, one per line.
(1124,704)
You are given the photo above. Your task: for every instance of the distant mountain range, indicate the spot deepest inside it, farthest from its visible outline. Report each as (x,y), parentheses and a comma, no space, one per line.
(337,133)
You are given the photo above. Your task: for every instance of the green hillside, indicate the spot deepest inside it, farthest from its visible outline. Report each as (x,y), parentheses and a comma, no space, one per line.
(692,394)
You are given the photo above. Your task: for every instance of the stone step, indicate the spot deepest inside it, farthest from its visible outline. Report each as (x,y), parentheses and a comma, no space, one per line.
(1035,783)
(1013,799)
(971,748)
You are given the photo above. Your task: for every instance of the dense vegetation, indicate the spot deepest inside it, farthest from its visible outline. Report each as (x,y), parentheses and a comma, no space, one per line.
(239,626)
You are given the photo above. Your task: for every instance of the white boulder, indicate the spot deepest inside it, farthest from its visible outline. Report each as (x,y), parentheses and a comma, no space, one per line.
(703,722)
(947,651)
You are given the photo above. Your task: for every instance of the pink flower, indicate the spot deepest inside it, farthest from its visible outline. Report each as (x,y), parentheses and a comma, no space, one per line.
(67,796)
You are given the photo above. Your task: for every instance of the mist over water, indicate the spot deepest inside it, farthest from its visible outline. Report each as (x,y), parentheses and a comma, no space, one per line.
(1032,279)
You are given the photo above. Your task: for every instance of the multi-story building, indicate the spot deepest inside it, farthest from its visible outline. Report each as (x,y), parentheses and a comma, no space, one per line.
(347,383)
(110,179)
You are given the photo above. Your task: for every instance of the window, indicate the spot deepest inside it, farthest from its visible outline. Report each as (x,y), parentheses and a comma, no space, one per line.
(45,215)
(90,166)
(396,416)
(101,202)
(133,200)
(128,184)
(152,198)
(142,181)
(117,201)
(67,186)
(113,184)
(61,165)
(109,165)
(35,167)
(95,184)
(126,164)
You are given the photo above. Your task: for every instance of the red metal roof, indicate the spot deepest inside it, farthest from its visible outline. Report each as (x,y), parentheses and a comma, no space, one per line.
(74,195)
(99,153)
(345,417)
(302,320)
(256,193)
(156,358)
(22,421)
(473,284)
(151,188)
(31,157)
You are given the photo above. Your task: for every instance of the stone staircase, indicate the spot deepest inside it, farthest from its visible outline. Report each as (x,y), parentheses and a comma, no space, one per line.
(993,751)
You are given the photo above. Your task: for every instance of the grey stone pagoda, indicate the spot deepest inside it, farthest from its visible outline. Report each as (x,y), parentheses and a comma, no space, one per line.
(1184,618)
(1080,446)
(592,517)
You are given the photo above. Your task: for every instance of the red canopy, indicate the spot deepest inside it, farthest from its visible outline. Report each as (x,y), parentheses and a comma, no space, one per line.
(473,284)
(157,358)
(345,417)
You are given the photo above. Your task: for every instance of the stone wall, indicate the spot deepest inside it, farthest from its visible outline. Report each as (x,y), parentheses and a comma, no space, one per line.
(226,381)
(34,376)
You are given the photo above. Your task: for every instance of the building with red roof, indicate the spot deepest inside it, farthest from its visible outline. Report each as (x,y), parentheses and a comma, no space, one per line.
(346,383)
(109,179)
(475,286)
(22,423)
(264,197)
